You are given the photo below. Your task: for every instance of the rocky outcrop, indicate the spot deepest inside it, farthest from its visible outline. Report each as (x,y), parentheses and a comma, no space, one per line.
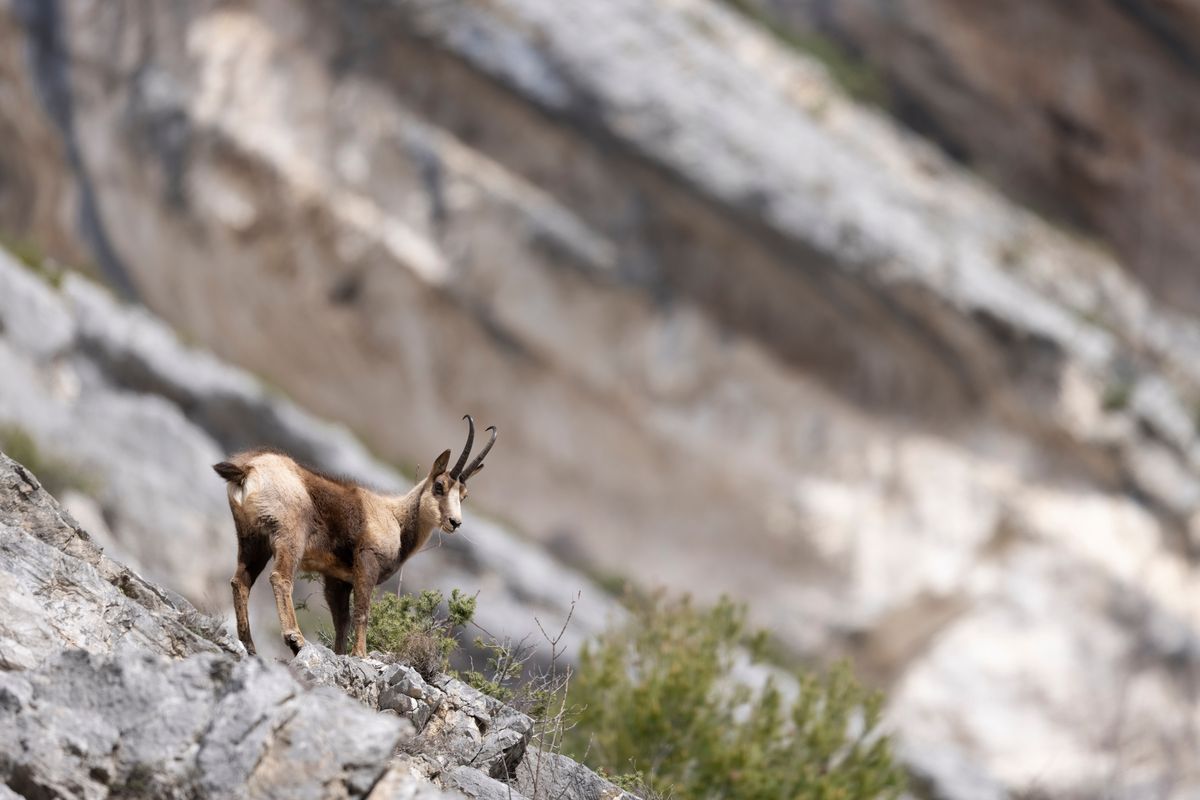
(135,725)
(111,686)
(740,335)
(457,726)
(554,775)
(465,739)
(61,590)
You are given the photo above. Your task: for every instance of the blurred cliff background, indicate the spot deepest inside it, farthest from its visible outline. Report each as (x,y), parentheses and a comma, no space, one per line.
(878,315)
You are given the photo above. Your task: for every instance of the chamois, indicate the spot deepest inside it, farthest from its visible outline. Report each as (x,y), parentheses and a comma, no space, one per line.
(354,537)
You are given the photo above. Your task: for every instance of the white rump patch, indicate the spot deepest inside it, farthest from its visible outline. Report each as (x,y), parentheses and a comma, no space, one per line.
(239,493)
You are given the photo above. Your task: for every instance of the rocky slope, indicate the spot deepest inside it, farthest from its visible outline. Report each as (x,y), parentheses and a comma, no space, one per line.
(1084,108)
(111,686)
(740,334)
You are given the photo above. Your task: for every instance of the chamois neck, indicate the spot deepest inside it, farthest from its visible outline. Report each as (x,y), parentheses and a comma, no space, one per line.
(407,510)
(407,507)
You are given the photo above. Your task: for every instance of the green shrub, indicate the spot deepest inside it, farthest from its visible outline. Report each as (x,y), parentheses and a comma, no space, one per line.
(505,668)
(658,701)
(410,628)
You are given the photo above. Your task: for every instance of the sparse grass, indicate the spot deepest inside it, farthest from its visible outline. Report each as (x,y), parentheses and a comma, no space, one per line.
(1117,396)
(855,76)
(33,258)
(1015,251)
(55,474)
(614,583)
(139,781)
(410,628)
(635,783)
(659,705)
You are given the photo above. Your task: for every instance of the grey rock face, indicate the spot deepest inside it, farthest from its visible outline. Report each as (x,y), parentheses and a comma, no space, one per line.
(476,785)
(62,591)
(91,704)
(83,725)
(456,725)
(476,730)
(553,775)
(399,784)
(358,678)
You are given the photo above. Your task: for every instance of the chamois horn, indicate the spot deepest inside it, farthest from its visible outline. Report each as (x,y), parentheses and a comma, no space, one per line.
(477,464)
(466,451)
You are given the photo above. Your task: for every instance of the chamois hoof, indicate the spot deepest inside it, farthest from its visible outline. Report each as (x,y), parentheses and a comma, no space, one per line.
(295,640)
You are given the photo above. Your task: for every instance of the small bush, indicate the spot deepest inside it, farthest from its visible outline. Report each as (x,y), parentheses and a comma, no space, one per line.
(635,784)
(505,668)
(658,701)
(410,629)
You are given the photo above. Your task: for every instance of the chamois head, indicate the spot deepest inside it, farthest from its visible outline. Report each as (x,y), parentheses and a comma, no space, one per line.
(444,490)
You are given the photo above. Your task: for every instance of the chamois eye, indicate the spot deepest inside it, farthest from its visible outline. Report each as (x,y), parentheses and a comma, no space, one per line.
(439,487)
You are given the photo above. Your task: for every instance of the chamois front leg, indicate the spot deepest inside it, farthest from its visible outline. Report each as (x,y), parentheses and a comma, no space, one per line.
(366,573)
(287,559)
(337,597)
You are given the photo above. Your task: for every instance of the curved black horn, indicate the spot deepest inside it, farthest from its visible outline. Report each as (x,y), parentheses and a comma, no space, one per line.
(477,464)
(466,452)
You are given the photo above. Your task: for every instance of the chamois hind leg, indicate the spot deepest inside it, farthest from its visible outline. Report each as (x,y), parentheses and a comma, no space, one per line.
(253,553)
(337,597)
(366,574)
(288,551)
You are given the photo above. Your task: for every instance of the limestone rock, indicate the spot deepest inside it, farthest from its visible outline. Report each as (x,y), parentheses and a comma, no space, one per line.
(82,725)
(546,775)
(397,784)
(478,786)
(61,591)
(460,725)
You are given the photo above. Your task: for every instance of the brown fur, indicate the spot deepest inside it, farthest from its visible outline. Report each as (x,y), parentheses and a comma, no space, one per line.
(355,538)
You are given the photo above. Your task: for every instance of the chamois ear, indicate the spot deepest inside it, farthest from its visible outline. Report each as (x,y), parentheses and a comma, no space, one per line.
(439,466)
